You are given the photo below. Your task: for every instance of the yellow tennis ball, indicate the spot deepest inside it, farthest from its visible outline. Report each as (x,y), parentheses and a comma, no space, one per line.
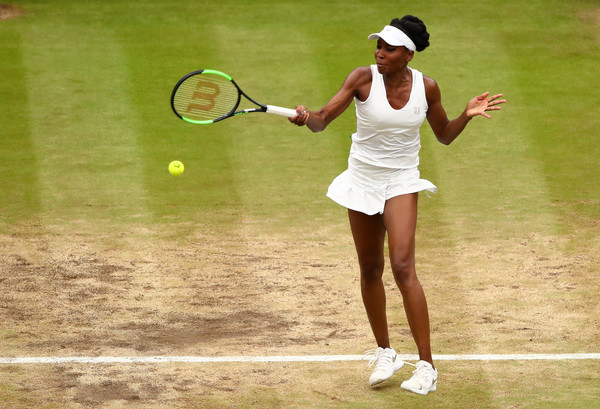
(176,168)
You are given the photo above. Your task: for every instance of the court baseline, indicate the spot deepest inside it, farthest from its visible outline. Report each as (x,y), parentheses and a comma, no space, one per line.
(290,358)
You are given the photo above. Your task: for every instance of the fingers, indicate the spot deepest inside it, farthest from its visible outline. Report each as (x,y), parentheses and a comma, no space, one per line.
(302,117)
(493,100)
(492,103)
(482,103)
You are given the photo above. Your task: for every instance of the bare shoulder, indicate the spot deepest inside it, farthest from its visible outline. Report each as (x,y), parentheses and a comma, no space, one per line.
(429,82)
(432,90)
(360,76)
(359,82)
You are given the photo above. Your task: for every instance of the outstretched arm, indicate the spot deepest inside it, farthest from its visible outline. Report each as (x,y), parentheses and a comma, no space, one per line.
(447,130)
(317,121)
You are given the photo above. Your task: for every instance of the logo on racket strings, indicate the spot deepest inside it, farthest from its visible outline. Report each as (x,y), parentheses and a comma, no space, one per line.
(205,91)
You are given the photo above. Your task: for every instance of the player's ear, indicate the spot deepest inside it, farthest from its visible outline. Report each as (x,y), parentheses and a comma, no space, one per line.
(410,56)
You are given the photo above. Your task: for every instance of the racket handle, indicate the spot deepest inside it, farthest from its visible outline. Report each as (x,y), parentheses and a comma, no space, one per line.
(272,109)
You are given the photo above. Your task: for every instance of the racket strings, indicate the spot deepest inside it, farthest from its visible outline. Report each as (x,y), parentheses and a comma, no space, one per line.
(205,97)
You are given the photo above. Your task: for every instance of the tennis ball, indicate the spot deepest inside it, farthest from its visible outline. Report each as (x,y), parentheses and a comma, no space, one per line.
(176,168)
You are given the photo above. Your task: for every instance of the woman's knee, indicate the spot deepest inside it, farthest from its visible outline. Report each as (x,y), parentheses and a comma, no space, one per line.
(404,272)
(371,271)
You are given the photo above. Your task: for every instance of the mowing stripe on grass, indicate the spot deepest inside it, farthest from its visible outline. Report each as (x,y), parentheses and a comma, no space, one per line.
(18,190)
(290,358)
(82,121)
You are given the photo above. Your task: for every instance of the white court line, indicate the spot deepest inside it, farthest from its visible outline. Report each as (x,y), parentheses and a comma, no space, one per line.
(300,358)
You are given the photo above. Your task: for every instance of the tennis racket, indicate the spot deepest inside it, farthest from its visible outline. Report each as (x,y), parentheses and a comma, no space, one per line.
(208,96)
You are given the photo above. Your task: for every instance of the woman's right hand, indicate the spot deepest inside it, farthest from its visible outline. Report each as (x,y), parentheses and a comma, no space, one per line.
(302,118)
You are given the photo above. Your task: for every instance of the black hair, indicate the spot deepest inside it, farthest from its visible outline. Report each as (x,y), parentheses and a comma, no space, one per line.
(415,29)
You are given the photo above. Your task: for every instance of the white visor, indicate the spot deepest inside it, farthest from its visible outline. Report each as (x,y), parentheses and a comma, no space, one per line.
(394,36)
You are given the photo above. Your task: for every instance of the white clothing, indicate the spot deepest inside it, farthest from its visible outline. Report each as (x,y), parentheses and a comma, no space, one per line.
(384,155)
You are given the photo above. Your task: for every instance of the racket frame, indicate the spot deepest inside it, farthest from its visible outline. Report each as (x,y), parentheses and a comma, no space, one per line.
(260,107)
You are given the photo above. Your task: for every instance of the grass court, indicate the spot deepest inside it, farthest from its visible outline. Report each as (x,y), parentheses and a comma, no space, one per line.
(104,253)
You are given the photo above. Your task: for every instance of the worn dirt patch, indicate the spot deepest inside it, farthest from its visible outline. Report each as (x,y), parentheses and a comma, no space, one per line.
(82,295)
(8,11)
(207,297)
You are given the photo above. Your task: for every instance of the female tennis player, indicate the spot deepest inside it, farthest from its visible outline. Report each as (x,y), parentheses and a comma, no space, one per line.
(381,185)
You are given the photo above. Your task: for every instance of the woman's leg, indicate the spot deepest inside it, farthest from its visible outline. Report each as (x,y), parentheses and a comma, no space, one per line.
(369,239)
(400,220)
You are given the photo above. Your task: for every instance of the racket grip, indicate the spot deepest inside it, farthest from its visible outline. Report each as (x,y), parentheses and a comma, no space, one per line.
(272,109)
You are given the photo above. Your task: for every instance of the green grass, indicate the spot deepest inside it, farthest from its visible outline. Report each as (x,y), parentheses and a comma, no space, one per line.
(86,135)
(87,89)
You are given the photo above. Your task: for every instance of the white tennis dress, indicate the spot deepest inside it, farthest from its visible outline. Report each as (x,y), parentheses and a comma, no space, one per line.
(384,156)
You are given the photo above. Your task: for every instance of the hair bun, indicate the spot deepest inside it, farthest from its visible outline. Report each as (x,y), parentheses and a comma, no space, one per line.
(415,29)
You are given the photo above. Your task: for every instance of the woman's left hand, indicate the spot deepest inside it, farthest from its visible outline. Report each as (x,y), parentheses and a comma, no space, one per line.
(479,105)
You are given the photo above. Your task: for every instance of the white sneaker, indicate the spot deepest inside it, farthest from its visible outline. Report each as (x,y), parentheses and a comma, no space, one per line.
(424,379)
(386,363)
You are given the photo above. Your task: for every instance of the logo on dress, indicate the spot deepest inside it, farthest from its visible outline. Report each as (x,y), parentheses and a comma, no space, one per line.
(417,110)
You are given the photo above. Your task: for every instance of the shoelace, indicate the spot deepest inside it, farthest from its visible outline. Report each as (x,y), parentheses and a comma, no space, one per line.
(422,375)
(373,355)
(378,358)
